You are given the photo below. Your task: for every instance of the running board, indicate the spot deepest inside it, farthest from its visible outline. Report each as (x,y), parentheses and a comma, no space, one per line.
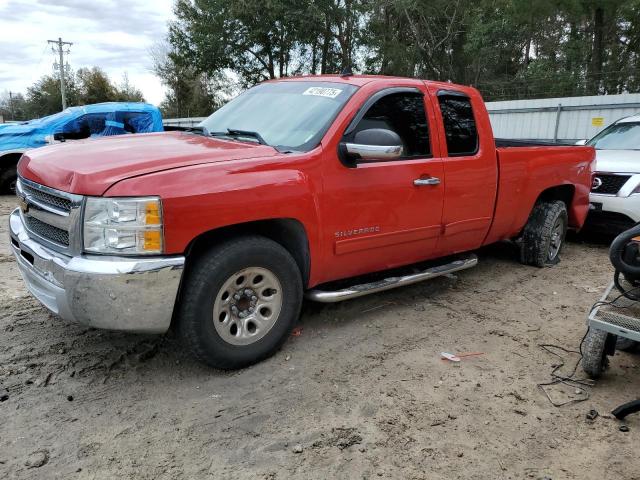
(355,291)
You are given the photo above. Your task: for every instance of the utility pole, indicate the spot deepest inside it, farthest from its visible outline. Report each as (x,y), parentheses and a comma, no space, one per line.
(59,46)
(11,106)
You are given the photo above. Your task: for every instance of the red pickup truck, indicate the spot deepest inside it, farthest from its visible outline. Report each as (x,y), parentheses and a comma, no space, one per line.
(289,189)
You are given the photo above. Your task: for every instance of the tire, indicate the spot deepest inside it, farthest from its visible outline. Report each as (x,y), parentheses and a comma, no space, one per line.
(8,178)
(594,358)
(544,234)
(623,253)
(230,276)
(627,345)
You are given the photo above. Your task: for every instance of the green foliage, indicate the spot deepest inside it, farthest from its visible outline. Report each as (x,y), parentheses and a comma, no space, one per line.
(44,97)
(95,86)
(190,93)
(507,48)
(262,40)
(13,106)
(86,86)
(125,92)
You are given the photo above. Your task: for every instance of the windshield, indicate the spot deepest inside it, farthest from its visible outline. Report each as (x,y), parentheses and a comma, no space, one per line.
(50,118)
(619,136)
(287,115)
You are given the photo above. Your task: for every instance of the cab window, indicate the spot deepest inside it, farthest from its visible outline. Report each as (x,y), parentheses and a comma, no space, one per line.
(85,126)
(404,114)
(459,124)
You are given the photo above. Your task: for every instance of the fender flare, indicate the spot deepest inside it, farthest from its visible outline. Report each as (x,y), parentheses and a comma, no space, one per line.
(10,152)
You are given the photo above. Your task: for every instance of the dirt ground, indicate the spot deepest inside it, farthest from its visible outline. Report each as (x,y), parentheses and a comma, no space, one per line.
(360,393)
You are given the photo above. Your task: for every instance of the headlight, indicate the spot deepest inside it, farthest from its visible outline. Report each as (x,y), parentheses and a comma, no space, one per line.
(125,226)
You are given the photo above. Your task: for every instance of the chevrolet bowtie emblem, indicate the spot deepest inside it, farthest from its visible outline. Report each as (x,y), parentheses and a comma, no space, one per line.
(24,206)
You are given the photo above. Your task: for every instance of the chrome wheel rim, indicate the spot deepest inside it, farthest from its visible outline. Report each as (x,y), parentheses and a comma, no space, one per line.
(556,239)
(247,306)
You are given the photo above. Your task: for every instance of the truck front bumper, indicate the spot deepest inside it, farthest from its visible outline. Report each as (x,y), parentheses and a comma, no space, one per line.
(617,212)
(116,293)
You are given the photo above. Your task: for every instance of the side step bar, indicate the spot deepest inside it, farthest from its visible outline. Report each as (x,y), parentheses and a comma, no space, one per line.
(355,291)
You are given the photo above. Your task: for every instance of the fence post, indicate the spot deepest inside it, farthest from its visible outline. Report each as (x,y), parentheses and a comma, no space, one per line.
(555,133)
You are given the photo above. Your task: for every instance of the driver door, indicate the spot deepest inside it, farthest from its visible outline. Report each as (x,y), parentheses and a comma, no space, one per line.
(384,213)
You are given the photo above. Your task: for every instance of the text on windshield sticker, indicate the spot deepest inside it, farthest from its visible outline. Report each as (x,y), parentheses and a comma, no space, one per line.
(323,92)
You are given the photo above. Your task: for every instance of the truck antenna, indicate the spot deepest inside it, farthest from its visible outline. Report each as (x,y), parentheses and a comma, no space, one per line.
(346,71)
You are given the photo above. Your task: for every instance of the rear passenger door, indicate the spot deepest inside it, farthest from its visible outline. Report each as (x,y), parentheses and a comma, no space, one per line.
(470,170)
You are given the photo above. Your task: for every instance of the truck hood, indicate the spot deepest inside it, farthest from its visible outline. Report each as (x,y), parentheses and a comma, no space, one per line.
(91,167)
(617,161)
(17,129)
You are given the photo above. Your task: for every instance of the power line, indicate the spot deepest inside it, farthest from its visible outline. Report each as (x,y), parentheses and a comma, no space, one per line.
(59,46)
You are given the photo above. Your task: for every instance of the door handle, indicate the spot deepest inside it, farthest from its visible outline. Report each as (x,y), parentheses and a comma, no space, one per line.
(419,182)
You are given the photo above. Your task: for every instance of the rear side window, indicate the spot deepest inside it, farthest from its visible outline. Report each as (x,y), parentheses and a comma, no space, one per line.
(459,124)
(135,122)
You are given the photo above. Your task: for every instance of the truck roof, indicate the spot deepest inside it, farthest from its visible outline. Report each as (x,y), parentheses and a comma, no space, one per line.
(360,80)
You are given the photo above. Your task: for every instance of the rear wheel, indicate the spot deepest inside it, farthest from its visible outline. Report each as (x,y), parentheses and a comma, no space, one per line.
(240,301)
(544,234)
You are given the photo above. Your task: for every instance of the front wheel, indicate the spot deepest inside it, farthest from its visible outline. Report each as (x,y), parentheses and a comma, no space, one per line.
(544,234)
(8,178)
(594,357)
(240,301)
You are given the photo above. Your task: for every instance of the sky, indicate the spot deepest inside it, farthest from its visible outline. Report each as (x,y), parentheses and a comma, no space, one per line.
(114,35)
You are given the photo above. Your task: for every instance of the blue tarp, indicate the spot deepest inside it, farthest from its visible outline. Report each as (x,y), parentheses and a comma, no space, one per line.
(97,120)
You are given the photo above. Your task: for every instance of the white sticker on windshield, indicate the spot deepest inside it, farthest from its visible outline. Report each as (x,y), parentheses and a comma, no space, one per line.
(323,92)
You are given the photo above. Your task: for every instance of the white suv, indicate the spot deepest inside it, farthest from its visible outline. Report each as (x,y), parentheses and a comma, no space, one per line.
(615,193)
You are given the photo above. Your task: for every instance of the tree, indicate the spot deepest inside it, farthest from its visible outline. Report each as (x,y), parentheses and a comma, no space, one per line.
(44,97)
(255,39)
(94,86)
(86,86)
(125,92)
(508,48)
(13,106)
(190,94)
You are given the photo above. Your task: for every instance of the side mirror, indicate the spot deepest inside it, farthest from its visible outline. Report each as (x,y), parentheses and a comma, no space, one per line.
(59,137)
(374,144)
(582,142)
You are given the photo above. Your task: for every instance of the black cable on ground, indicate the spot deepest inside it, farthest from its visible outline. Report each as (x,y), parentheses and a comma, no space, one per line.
(569,380)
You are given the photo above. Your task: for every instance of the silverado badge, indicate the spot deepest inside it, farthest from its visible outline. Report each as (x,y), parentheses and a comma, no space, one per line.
(357,231)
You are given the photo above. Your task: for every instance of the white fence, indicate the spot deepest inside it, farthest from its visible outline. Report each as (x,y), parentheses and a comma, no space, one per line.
(182,122)
(561,119)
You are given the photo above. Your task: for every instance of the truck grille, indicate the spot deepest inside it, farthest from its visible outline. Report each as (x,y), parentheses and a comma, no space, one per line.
(51,215)
(608,184)
(48,232)
(47,198)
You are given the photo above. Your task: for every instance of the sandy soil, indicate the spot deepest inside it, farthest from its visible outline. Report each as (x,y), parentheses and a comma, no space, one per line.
(361,393)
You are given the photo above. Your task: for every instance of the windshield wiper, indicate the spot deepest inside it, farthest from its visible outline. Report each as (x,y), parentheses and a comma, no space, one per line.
(198,130)
(246,133)
(234,132)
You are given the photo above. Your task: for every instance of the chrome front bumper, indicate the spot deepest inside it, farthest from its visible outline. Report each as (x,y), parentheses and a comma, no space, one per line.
(116,293)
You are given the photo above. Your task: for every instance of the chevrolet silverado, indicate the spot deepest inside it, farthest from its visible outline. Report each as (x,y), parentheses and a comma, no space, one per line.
(291,189)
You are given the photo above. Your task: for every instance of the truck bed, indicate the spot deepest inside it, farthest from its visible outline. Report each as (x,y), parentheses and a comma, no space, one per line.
(524,171)
(513,142)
